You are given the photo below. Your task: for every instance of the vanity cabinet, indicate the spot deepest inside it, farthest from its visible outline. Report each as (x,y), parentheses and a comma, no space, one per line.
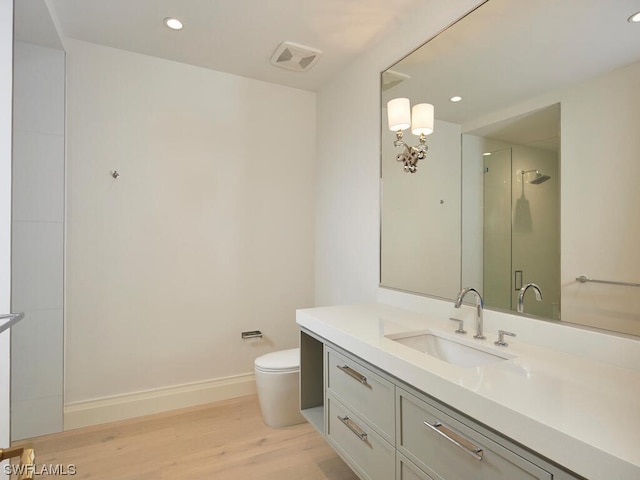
(360,408)
(446,448)
(368,454)
(385,429)
(363,391)
(407,470)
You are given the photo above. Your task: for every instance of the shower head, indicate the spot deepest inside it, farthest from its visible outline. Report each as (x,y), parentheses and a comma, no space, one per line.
(538,179)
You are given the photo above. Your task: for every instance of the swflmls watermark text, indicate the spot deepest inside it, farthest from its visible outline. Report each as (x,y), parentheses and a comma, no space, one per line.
(44,469)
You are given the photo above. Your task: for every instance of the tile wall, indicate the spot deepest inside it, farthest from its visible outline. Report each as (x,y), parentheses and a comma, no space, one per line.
(37,241)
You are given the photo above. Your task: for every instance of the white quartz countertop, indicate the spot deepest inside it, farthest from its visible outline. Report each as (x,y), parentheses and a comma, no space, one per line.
(580,413)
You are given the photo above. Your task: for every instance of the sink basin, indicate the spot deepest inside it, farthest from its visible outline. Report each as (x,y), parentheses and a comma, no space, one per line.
(450,350)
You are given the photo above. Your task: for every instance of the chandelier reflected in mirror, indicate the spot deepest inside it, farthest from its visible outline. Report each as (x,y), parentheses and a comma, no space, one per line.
(420,118)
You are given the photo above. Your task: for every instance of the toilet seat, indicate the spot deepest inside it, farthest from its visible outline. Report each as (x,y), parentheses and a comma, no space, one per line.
(284,361)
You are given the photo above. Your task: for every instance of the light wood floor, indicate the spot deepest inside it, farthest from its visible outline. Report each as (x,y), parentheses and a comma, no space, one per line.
(221,441)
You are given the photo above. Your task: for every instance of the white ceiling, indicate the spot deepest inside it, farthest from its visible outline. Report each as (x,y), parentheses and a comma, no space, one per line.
(584,37)
(234,36)
(551,45)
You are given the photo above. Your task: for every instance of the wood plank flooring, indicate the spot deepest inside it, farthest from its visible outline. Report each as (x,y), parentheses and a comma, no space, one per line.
(221,441)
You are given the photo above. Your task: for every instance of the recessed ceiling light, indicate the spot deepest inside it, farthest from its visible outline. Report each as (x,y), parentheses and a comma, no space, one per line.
(486,154)
(455,99)
(635,18)
(173,23)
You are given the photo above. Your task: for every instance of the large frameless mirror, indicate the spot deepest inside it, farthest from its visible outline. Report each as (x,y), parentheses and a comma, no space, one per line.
(526,176)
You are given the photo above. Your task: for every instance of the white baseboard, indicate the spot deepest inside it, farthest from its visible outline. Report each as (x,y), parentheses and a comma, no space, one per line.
(120,407)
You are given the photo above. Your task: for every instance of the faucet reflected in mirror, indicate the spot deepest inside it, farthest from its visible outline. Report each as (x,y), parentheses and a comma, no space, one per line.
(523,290)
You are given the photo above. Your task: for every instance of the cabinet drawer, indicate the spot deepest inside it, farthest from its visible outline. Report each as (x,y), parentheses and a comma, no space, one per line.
(363,391)
(405,470)
(446,449)
(368,454)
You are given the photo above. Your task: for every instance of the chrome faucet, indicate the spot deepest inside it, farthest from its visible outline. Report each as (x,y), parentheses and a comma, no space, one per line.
(479,309)
(523,290)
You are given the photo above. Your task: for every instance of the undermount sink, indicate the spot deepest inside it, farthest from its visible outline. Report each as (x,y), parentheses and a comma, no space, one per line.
(449,350)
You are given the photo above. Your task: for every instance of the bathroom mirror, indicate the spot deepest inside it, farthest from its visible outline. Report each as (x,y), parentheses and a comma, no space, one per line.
(529,178)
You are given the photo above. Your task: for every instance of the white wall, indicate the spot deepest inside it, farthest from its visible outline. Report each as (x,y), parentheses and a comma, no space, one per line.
(207,232)
(6,86)
(37,245)
(415,257)
(473,148)
(600,198)
(348,171)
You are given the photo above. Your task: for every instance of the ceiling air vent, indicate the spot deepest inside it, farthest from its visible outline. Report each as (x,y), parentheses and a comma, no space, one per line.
(293,56)
(391,78)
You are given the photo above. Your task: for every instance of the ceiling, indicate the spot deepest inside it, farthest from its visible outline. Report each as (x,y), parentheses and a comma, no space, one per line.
(552,45)
(234,36)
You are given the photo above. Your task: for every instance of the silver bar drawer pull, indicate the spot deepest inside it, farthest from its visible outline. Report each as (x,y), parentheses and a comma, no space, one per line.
(351,425)
(353,373)
(456,439)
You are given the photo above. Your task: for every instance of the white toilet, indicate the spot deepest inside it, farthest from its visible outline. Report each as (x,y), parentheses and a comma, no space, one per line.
(277,380)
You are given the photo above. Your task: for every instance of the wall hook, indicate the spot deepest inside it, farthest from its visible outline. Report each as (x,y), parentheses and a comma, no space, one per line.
(115,174)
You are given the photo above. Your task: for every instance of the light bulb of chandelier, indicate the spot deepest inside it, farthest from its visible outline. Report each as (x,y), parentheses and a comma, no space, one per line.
(422,119)
(399,114)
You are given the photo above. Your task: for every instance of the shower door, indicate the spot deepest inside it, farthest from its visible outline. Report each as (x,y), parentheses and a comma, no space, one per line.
(521,229)
(497,285)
